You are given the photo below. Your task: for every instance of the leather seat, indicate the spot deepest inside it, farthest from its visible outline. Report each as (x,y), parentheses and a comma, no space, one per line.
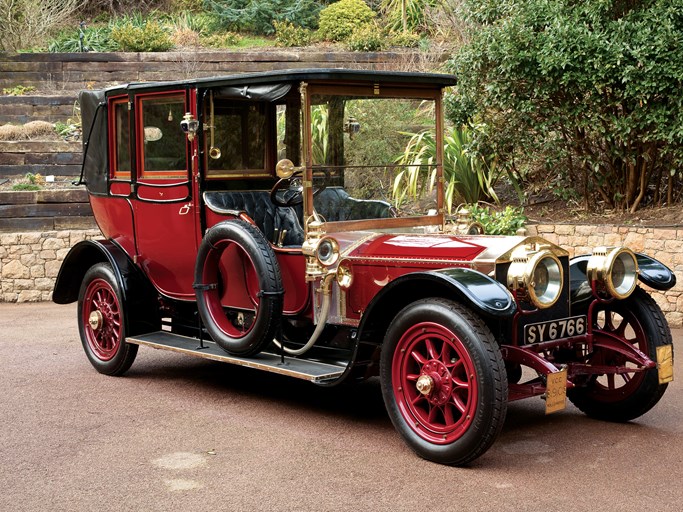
(335,204)
(270,219)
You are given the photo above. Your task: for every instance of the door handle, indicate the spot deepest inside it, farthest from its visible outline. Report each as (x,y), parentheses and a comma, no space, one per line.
(184,209)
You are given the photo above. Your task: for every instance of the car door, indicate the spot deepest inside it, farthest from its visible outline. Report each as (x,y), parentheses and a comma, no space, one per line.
(165,204)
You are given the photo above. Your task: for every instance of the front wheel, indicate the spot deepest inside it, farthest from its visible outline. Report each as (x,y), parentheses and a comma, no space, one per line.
(624,396)
(443,381)
(101,322)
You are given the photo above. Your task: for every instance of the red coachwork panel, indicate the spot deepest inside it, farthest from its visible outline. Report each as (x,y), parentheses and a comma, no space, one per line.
(165,203)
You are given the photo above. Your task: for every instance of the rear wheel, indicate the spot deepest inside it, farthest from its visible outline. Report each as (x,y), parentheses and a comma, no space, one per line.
(443,381)
(101,322)
(625,396)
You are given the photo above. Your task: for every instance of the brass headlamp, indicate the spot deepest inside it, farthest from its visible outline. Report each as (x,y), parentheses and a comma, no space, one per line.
(536,277)
(613,271)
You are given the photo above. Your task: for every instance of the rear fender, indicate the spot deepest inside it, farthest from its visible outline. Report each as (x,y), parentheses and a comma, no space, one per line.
(483,294)
(140,300)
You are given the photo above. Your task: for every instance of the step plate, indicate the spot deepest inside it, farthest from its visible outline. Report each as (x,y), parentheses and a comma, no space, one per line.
(313,371)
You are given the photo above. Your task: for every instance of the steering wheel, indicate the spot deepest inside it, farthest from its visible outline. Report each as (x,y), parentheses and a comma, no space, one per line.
(297,196)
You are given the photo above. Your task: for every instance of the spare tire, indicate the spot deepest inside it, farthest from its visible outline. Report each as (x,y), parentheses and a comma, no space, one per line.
(239,332)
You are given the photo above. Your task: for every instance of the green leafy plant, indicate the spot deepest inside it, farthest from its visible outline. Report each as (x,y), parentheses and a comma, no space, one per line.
(138,34)
(33,182)
(319,124)
(338,20)
(257,16)
(225,40)
(469,176)
(288,34)
(505,222)
(95,39)
(18,90)
(587,91)
(407,15)
(404,39)
(25,187)
(366,38)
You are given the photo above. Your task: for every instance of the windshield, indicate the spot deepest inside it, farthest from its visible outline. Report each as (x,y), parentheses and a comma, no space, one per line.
(373,156)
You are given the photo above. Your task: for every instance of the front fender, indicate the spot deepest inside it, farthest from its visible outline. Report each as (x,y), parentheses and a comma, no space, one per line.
(481,293)
(139,298)
(654,273)
(651,272)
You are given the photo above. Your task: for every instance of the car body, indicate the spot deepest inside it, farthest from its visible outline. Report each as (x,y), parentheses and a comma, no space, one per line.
(245,220)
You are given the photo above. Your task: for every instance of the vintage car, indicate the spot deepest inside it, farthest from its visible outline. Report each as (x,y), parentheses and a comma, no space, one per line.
(250,219)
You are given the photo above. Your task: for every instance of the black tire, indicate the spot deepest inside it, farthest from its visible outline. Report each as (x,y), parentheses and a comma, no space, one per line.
(460,416)
(639,320)
(101,322)
(265,320)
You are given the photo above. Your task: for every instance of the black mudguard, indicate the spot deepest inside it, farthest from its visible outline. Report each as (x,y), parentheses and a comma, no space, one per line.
(140,299)
(652,272)
(481,293)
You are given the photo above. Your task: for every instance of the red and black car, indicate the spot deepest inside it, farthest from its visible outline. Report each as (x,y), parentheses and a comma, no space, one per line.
(249,219)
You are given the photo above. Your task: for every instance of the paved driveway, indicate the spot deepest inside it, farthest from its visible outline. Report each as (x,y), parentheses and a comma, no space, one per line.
(178,433)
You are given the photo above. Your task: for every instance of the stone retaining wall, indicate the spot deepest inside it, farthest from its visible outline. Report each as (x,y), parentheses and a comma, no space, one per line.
(29,262)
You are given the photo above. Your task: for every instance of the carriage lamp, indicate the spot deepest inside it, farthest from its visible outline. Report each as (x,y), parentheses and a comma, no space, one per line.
(464,224)
(536,277)
(189,125)
(613,271)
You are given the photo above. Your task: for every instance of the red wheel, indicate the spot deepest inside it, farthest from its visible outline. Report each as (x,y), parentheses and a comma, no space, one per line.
(444,381)
(434,384)
(101,322)
(245,331)
(622,397)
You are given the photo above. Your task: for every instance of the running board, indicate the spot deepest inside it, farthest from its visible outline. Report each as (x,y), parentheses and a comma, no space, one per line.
(313,371)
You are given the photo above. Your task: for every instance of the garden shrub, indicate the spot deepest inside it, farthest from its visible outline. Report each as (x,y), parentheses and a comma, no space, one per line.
(404,39)
(145,36)
(288,34)
(338,21)
(257,16)
(225,40)
(586,92)
(366,38)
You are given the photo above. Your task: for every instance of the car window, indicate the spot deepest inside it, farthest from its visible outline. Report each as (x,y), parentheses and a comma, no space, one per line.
(236,138)
(359,143)
(164,144)
(120,164)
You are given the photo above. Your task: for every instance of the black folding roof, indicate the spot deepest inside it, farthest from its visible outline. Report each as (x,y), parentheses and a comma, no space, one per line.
(296,75)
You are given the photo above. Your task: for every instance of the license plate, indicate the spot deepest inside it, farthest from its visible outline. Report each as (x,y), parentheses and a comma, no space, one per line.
(555,329)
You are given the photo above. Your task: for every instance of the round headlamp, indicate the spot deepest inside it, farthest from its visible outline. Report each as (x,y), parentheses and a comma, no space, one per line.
(537,278)
(327,251)
(613,270)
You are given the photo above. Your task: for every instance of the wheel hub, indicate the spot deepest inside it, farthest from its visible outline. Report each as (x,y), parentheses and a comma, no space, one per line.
(435,382)
(95,320)
(424,384)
